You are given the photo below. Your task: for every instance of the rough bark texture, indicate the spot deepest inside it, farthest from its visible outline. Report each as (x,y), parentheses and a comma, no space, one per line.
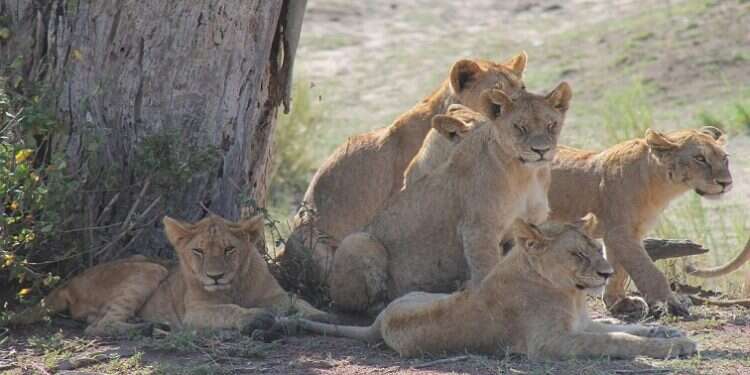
(166,105)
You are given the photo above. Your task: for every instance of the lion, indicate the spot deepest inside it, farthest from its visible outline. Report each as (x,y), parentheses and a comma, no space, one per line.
(628,186)
(445,228)
(356,180)
(733,265)
(443,138)
(221,281)
(533,302)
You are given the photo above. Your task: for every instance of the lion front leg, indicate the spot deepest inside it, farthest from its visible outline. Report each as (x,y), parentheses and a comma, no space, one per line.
(481,250)
(359,277)
(602,325)
(608,344)
(626,250)
(228,316)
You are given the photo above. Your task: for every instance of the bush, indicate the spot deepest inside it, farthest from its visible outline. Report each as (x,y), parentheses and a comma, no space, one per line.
(27,175)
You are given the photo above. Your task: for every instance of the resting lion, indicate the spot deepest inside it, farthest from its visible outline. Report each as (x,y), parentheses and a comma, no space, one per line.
(354,182)
(446,226)
(628,186)
(443,139)
(221,281)
(533,302)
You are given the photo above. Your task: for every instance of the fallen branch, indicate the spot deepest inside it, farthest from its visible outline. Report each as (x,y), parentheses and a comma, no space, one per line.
(658,248)
(441,361)
(724,303)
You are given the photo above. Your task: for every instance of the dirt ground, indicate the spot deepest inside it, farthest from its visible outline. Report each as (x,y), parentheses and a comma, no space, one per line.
(370,61)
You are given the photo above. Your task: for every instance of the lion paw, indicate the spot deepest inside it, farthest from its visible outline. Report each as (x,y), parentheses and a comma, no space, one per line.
(664,332)
(681,347)
(257,321)
(629,309)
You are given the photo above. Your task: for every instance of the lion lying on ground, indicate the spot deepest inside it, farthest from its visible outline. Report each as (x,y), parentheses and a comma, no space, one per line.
(533,302)
(446,226)
(628,186)
(354,182)
(221,281)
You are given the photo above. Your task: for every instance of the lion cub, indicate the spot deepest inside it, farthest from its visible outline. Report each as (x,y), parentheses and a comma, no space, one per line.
(628,186)
(446,226)
(221,281)
(533,302)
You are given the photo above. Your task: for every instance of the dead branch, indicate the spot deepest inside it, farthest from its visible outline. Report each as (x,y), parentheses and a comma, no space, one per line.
(658,248)
(723,303)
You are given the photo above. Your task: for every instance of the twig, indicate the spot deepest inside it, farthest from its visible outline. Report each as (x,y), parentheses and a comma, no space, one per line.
(441,361)
(136,203)
(107,208)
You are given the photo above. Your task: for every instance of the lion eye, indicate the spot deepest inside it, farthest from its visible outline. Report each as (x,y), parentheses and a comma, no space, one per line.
(229,250)
(521,129)
(551,126)
(701,159)
(198,252)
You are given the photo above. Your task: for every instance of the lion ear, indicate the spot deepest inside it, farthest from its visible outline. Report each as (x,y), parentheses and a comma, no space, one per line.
(528,236)
(463,72)
(449,127)
(588,224)
(252,226)
(176,230)
(659,142)
(494,102)
(717,134)
(560,97)
(518,63)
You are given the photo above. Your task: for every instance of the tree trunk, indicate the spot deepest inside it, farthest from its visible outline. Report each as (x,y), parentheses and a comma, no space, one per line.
(165,107)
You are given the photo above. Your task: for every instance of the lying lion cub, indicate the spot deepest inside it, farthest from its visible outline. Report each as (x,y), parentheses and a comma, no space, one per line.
(221,281)
(445,227)
(533,302)
(628,186)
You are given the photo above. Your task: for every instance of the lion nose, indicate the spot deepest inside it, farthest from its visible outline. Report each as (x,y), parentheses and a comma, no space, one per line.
(605,275)
(216,276)
(541,150)
(723,183)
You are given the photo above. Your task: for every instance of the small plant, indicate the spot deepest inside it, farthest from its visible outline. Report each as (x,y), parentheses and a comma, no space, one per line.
(626,114)
(294,160)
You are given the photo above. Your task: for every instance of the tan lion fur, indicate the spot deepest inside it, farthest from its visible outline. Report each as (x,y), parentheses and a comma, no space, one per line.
(446,227)
(221,281)
(356,180)
(533,302)
(628,186)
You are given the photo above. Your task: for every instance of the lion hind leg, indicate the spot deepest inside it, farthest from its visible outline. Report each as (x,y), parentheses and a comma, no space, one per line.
(359,276)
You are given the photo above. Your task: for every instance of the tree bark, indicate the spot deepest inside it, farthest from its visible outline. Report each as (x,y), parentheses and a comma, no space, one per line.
(165,107)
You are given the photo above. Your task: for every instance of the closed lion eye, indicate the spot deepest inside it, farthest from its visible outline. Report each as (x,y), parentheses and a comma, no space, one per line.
(521,129)
(229,250)
(198,252)
(551,126)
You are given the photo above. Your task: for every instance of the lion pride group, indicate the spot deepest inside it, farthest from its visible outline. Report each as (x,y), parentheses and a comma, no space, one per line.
(462,226)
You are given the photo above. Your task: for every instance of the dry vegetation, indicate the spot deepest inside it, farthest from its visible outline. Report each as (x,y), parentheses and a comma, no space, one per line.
(632,65)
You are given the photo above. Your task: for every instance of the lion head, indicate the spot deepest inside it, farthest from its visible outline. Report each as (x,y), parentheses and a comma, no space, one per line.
(213,251)
(564,254)
(694,158)
(527,125)
(469,78)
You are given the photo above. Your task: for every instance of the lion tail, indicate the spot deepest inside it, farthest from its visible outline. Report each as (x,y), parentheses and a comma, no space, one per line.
(733,265)
(368,334)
